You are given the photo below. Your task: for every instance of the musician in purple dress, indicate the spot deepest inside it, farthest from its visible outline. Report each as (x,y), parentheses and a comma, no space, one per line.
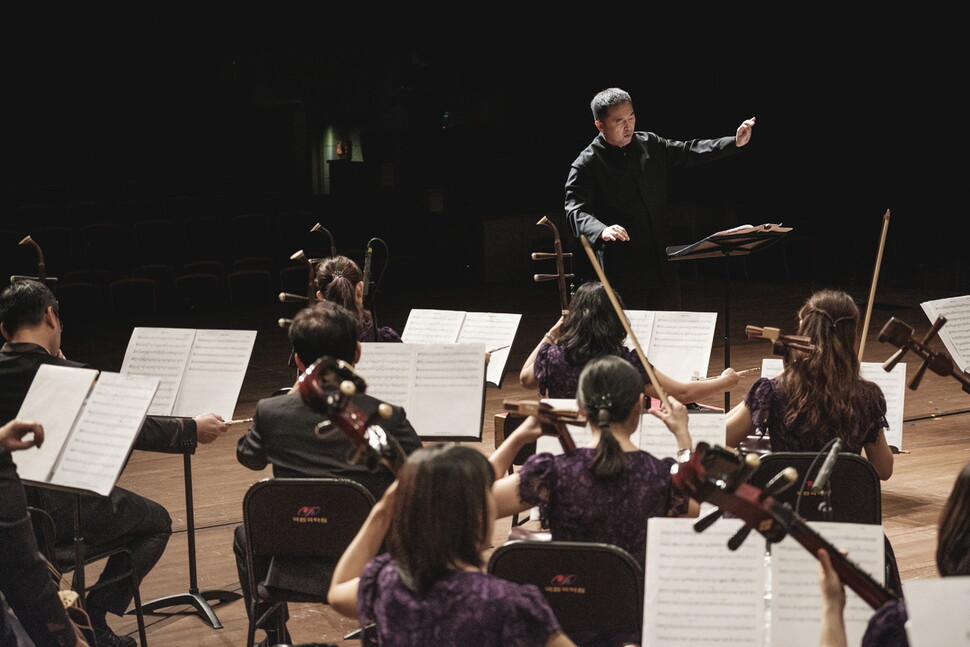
(819,395)
(429,588)
(340,279)
(607,491)
(592,329)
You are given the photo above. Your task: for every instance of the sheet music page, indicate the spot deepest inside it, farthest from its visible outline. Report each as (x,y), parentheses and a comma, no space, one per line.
(955,333)
(96,452)
(699,592)
(893,385)
(937,610)
(54,399)
(641,323)
(433,326)
(796,600)
(681,344)
(704,427)
(162,353)
(441,386)
(495,330)
(215,372)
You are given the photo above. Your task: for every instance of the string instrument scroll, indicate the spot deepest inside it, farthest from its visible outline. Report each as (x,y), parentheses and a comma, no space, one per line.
(719,476)
(781,344)
(41,267)
(552,420)
(560,276)
(331,387)
(900,334)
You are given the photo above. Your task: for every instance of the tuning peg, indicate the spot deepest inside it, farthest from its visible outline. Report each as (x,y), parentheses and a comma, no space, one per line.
(735,542)
(779,482)
(707,520)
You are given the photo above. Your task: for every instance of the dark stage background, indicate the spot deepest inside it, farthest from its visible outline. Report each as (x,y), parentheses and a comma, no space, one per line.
(463,136)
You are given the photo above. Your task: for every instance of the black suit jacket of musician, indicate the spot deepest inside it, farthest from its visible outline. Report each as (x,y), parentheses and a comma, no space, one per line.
(283,435)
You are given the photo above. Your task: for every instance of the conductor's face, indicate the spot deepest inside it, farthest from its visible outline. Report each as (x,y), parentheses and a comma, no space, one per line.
(619,124)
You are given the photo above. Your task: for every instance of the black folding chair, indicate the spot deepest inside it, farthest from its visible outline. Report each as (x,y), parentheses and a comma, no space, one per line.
(288,521)
(594,589)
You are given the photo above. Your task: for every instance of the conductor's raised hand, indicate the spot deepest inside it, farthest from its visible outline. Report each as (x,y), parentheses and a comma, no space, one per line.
(615,232)
(210,426)
(743,135)
(12,435)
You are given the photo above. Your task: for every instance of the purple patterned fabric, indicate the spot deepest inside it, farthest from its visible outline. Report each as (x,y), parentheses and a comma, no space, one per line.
(887,626)
(464,608)
(558,378)
(384,334)
(578,506)
(767,402)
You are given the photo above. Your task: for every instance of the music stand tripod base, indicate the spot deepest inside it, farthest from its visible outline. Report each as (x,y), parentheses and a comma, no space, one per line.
(195,598)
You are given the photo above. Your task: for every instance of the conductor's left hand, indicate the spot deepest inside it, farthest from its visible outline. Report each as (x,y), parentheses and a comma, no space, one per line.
(210,426)
(744,132)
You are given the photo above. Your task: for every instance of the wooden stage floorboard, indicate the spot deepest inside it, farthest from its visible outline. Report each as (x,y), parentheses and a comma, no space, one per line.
(935,438)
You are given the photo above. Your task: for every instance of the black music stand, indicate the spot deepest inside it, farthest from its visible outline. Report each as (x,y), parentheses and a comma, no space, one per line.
(195,598)
(730,242)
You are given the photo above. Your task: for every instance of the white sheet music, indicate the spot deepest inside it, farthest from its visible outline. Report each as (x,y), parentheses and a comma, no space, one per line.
(105,432)
(215,373)
(494,330)
(440,386)
(697,591)
(678,343)
(89,431)
(54,399)
(955,333)
(796,601)
(892,383)
(432,326)
(161,353)
(937,610)
(704,427)
(199,371)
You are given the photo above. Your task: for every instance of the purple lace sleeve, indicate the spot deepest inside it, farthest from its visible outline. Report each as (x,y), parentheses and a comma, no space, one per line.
(537,479)
(887,626)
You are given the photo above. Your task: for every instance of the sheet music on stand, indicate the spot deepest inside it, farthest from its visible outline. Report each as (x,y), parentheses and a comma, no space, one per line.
(955,334)
(440,386)
(496,330)
(90,421)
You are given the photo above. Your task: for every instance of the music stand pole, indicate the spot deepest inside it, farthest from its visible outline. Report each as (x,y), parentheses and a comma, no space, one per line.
(195,598)
(737,241)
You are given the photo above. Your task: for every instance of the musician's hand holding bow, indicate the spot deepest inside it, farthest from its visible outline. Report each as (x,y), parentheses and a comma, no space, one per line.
(210,426)
(676,420)
(833,603)
(12,435)
(527,432)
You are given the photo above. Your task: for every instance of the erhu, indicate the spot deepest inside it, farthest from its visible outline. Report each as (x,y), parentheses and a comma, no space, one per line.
(899,334)
(560,276)
(41,267)
(311,265)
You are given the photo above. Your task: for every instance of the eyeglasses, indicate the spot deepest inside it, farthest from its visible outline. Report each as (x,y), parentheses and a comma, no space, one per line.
(57,313)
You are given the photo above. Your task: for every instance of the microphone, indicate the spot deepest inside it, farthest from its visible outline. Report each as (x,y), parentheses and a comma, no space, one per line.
(824,472)
(367,268)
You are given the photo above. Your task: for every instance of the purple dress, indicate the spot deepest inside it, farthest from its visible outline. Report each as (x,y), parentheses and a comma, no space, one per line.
(887,626)
(463,608)
(384,334)
(558,378)
(768,402)
(578,506)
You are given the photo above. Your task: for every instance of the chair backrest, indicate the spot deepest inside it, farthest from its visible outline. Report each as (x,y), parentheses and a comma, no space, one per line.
(304,517)
(856,493)
(591,587)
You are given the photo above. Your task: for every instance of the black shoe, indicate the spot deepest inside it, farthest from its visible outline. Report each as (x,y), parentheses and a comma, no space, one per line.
(107,638)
